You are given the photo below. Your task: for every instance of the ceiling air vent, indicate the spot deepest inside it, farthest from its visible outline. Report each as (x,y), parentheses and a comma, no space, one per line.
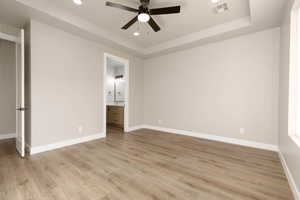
(221,8)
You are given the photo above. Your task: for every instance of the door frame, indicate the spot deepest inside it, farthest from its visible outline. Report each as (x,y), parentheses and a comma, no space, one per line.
(18,41)
(127,99)
(20,94)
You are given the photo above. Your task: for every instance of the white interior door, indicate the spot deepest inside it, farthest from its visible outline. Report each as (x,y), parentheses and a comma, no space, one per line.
(20,96)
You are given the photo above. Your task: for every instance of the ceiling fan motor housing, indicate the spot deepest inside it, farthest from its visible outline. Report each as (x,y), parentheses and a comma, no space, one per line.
(145,3)
(144,13)
(143,9)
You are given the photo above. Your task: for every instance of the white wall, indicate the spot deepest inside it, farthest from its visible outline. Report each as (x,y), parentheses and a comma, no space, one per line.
(218,88)
(66,85)
(7,87)
(289,149)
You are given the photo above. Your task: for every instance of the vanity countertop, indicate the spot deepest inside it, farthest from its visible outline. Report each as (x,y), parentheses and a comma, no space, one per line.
(120,104)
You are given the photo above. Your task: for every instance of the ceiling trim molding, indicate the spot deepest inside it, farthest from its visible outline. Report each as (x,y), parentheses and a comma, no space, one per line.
(8,37)
(258,19)
(207,33)
(81,24)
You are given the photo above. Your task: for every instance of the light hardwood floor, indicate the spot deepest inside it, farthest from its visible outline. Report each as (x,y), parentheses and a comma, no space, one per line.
(143,165)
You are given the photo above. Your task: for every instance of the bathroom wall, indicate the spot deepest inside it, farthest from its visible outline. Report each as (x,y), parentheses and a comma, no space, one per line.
(114,69)
(110,84)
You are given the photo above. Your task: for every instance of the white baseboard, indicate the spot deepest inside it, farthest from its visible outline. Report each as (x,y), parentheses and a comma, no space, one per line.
(213,137)
(290,178)
(49,147)
(135,128)
(7,136)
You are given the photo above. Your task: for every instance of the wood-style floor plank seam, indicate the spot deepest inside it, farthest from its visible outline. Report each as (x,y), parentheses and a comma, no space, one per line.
(143,165)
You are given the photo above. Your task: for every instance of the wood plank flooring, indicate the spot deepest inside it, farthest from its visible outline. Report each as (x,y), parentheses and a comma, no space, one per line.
(143,165)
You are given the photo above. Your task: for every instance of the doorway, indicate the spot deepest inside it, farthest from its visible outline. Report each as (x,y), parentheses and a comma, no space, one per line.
(116,94)
(12,91)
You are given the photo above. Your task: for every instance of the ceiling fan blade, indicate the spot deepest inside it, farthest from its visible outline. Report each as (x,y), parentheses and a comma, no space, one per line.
(120,6)
(130,23)
(154,25)
(165,11)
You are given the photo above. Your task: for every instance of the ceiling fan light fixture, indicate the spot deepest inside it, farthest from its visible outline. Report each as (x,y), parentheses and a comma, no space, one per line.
(136,33)
(143,17)
(215,1)
(143,13)
(78,2)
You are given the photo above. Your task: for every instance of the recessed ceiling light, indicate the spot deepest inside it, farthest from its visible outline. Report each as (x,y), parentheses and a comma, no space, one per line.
(78,2)
(144,17)
(136,33)
(215,1)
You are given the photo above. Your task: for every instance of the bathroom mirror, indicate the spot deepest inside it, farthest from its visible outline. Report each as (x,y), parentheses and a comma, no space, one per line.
(119,88)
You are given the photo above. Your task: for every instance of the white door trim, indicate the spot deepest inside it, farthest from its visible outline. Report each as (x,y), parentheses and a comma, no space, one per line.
(126,77)
(20,95)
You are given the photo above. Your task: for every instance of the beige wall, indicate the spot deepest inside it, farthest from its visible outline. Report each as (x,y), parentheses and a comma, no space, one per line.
(66,85)
(10,30)
(217,88)
(288,148)
(7,87)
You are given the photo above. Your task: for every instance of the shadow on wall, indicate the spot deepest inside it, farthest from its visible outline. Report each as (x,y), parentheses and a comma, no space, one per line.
(7,88)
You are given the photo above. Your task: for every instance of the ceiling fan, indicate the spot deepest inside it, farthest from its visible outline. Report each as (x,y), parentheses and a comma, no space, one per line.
(144,13)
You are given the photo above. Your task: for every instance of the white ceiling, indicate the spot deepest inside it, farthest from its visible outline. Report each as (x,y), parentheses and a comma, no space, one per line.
(196,24)
(195,16)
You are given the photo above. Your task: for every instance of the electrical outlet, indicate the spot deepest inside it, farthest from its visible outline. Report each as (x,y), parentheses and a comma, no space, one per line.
(242,131)
(160,121)
(80,129)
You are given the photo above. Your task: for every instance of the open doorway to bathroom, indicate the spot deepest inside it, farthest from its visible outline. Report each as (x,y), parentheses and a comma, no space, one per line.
(116,94)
